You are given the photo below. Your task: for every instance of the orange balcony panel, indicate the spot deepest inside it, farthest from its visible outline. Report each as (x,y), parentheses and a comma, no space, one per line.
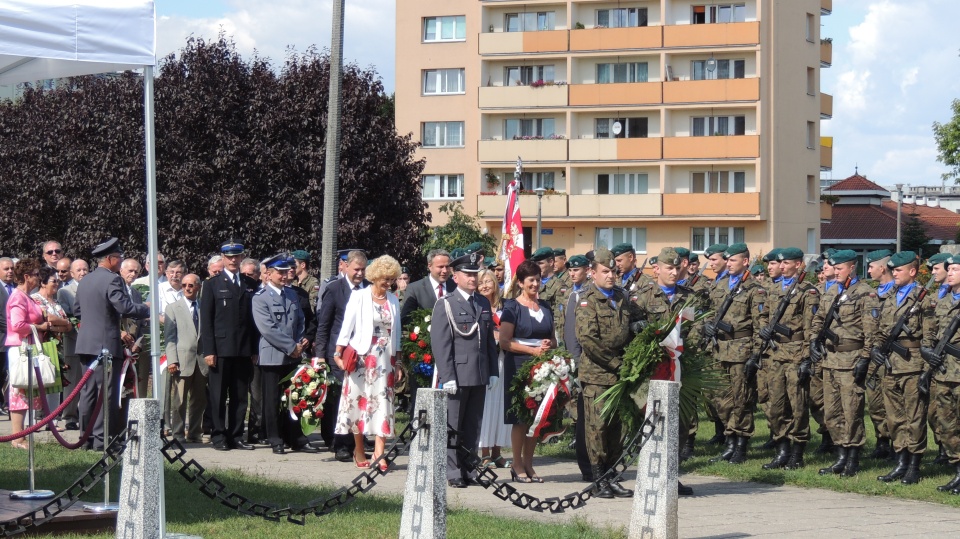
(614,205)
(529,150)
(826,53)
(718,147)
(826,7)
(553,205)
(501,43)
(711,204)
(546,41)
(826,157)
(607,39)
(627,93)
(826,106)
(710,35)
(695,91)
(639,148)
(826,211)
(522,96)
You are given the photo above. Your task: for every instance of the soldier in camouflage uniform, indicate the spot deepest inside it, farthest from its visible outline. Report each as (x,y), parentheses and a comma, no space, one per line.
(845,360)
(772,284)
(577,268)
(906,408)
(603,329)
(694,279)
(548,285)
(307,282)
(878,271)
(630,276)
(746,315)
(827,277)
(939,290)
(789,368)
(715,293)
(561,290)
(945,389)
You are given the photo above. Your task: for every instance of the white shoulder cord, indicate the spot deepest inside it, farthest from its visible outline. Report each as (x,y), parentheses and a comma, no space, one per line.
(453,326)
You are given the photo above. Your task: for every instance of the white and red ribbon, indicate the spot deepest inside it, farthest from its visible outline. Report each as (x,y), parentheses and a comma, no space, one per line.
(542,418)
(128,361)
(673,344)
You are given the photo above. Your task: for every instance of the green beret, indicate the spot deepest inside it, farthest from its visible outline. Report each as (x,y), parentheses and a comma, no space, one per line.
(577,261)
(541,254)
(654,260)
(489,262)
(938,258)
(874,256)
(621,248)
(300,254)
(669,255)
(953,259)
(756,269)
(841,256)
(901,259)
(815,268)
(735,249)
(714,249)
(604,257)
(827,253)
(683,252)
(790,253)
(473,248)
(457,253)
(559,252)
(772,255)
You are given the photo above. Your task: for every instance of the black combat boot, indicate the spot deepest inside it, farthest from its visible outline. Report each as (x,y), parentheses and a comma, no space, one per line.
(796,456)
(903,459)
(603,487)
(942,459)
(687,451)
(740,450)
(837,466)
(728,451)
(882,450)
(826,445)
(782,456)
(718,438)
(617,489)
(912,477)
(684,490)
(853,463)
(769,444)
(953,484)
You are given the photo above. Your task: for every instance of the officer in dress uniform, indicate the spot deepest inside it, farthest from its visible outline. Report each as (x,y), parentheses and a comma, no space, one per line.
(465,354)
(279,318)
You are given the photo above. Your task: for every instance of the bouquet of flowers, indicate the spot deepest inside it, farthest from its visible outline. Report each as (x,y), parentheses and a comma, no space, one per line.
(307,392)
(539,391)
(416,347)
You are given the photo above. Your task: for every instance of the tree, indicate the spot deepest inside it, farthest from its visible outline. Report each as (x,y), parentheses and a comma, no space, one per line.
(461,230)
(914,237)
(947,136)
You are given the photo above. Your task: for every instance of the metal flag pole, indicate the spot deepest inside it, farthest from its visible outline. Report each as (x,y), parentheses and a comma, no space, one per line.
(32,493)
(107,506)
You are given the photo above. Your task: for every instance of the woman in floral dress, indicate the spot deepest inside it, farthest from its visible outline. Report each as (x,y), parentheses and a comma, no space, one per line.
(46,298)
(371,325)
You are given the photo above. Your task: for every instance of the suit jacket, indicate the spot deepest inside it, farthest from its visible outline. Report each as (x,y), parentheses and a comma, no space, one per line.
(226,319)
(333,304)
(469,360)
(279,320)
(357,328)
(182,338)
(3,318)
(66,297)
(100,303)
(422,295)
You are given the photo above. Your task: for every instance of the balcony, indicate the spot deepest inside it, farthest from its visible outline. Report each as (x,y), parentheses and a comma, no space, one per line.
(826,212)
(608,39)
(506,151)
(699,91)
(614,205)
(626,93)
(826,153)
(826,106)
(711,35)
(502,97)
(826,52)
(717,147)
(826,7)
(621,149)
(711,204)
(523,42)
(553,205)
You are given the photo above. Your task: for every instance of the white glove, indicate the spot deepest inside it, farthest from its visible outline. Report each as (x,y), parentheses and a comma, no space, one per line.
(450,386)
(493,380)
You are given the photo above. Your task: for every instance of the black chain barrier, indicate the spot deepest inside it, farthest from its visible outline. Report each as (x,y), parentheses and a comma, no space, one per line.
(90,479)
(575,500)
(213,488)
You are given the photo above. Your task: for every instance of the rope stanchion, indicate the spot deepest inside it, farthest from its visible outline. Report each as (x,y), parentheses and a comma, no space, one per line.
(93,417)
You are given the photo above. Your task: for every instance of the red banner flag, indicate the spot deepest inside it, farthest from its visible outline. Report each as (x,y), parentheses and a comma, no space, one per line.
(511,247)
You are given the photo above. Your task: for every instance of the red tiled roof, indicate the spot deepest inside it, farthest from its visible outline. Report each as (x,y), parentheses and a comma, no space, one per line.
(855,183)
(856,221)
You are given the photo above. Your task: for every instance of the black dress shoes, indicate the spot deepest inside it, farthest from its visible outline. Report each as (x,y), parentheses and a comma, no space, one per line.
(72,425)
(457,483)
(278,449)
(305,448)
(222,446)
(684,490)
(242,445)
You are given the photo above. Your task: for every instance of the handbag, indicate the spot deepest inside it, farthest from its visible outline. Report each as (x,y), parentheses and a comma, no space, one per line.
(19,366)
(349,357)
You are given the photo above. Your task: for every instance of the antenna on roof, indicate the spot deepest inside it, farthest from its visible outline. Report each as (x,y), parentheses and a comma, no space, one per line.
(856,169)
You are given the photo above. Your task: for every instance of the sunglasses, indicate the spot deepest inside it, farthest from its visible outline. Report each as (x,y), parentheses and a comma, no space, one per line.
(54,251)
(63,271)
(188,285)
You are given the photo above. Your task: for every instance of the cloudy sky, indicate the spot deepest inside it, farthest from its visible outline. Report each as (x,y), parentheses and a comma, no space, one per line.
(896,65)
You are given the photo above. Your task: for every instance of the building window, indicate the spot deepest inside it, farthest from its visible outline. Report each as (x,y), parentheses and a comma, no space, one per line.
(622,184)
(813,190)
(703,237)
(812,135)
(443,81)
(629,128)
(705,126)
(442,135)
(608,237)
(622,17)
(437,29)
(537,180)
(811,27)
(811,81)
(525,75)
(719,13)
(722,70)
(442,186)
(528,128)
(532,21)
(626,72)
(718,182)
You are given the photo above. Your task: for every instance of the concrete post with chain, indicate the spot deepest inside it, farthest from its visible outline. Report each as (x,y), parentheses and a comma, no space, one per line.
(655,498)
(425,495)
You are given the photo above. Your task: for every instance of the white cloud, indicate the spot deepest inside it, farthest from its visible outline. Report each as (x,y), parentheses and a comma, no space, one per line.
(851,91)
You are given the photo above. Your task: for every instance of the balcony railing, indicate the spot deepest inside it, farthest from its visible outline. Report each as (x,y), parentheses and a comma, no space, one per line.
(826,52)
(620,149)
(523,96)
(716,147)
(826,106)
(711,35)
(711,204)
(698,91)
(615,205)
(506,151)
(627,93)
(524,42)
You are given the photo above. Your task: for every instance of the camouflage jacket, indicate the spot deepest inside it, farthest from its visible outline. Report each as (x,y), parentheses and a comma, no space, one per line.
(555,289)
(603,330)
(920,329)
(312,286)
(654,304)
(747,314)
(944,312)
(802,306)
(858,316)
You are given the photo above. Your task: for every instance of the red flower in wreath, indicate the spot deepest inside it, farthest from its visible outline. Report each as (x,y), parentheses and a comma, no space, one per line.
(414,337)
(413,355)
(422,344)
(427,358)
(531,403)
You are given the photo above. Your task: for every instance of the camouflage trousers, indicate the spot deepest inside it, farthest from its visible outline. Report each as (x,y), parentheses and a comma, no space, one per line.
(843,403)
(876,406)
(737,402)
(906,412)
(763,386)
(932,408)
(787,404)
(816,398)
(604,440)
(947,397)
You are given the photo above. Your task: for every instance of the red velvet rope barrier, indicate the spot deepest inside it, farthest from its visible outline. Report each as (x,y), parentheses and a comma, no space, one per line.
(51,416)
(87,431)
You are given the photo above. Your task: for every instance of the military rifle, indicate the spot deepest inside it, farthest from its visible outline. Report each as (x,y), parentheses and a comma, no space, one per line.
(880,355)
(937,355)
(774,326)
(825,331)
(724,307)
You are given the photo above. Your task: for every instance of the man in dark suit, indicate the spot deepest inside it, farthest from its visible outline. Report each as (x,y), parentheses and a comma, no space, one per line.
(333,303)
(101,301)
(465,354)
(7,284)
(228,342)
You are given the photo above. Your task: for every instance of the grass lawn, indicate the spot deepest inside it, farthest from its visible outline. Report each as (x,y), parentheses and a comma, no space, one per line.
(188,511)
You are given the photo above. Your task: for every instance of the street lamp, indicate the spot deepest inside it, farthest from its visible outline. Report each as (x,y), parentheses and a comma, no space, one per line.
(899,209)
(539,191)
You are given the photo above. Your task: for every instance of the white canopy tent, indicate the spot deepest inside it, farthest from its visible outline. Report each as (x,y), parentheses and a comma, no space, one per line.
(51,39)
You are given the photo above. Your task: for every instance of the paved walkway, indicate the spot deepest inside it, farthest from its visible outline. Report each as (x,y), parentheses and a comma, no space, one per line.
(720,509)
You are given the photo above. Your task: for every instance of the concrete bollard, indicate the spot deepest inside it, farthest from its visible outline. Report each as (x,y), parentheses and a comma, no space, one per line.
(425,495)
(139,516)
(654,513)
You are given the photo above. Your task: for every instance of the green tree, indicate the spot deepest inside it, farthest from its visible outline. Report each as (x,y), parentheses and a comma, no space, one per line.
(461,230)
(914,237)
(948,142)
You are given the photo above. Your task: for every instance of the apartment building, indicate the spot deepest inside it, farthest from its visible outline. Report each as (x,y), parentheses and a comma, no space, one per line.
(658,122)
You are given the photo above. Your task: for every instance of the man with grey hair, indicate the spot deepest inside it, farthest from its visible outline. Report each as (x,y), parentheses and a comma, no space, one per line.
(251,268)
(133,329)
(161,272)
(215,265)
(172,290)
